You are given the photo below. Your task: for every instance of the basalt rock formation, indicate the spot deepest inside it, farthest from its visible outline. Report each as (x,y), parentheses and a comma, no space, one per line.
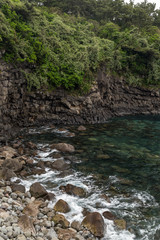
(109,97)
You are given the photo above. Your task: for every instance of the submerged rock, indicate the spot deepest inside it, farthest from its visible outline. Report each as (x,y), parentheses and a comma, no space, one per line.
(95,223)
(63,147)
(120,223)
(61,206)
(73,190)
(81,128)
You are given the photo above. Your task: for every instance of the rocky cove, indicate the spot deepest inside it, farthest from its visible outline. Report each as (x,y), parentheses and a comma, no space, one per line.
(86,182)
(73,197)
(109,97)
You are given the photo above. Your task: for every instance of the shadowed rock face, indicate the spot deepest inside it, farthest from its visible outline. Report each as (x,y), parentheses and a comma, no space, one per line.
(109,97)
(95,223)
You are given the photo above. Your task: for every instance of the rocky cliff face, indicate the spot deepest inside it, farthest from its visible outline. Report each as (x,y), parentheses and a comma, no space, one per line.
(109,97)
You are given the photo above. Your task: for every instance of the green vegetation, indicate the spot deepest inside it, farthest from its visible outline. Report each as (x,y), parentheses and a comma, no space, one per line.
(63,43)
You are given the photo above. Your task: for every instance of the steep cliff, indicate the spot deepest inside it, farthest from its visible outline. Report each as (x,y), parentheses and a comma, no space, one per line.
(109,97)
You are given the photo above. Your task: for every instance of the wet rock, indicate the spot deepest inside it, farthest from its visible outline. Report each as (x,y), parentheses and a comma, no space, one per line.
(94,223)
(60,219)
(38,171)
(41,164)
(60,165)
(61,206)
(37,190)
(108,215)
(66,234)
(125,181)
(63,147)
(65,173)
(50,196)
(12,164)
(73,190)
(26,224)
(120,223)
(81,128)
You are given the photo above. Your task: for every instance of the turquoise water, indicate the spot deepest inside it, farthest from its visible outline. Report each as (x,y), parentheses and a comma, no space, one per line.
(120,158)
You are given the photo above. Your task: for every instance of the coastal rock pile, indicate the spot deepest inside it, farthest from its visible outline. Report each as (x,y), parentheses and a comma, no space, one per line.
(27,215)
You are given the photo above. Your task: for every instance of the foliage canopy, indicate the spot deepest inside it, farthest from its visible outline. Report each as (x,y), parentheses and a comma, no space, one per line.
(63,43)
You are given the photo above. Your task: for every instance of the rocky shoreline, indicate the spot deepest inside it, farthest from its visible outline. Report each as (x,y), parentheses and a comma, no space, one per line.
(26,214)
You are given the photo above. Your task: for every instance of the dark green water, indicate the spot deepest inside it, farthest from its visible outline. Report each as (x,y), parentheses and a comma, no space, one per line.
(122,157)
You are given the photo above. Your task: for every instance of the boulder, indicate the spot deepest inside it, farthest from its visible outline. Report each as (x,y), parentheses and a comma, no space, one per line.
(38,191)
(50,196)
(61,206)
(60,219)
(12,164)
(81,128)
(73,190)
(108,215)
(18,188)
(60,165)
(120,223)
(94,223)
(63,147)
